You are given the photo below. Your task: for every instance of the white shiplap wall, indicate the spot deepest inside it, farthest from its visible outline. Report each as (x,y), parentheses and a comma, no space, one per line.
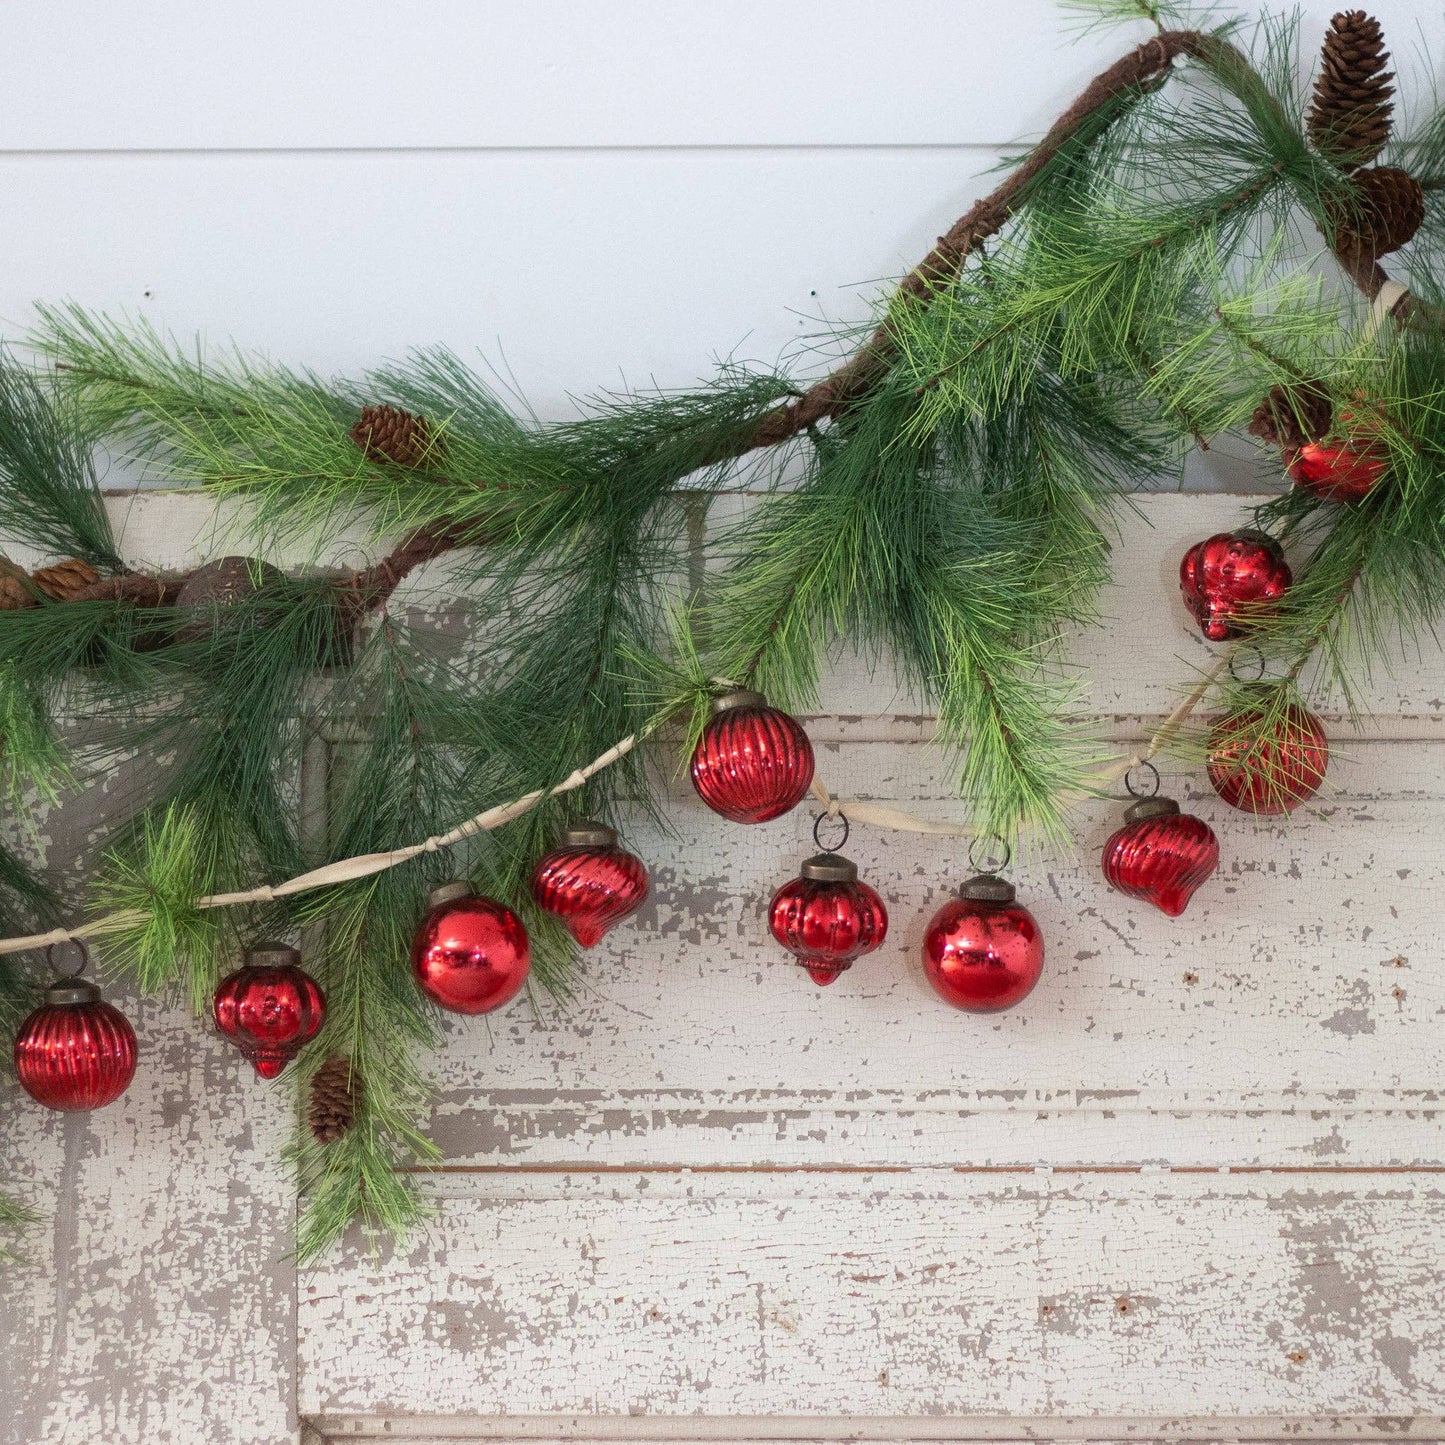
(871,1240)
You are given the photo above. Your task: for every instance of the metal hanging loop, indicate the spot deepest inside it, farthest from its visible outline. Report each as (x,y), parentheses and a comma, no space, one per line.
(1154,773)
(1234,658)
(818,823)
(79,968)
(989,863)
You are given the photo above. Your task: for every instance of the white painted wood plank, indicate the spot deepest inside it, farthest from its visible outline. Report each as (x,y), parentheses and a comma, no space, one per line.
(571,272)
(921,1295)
(157,1303)
(161,73)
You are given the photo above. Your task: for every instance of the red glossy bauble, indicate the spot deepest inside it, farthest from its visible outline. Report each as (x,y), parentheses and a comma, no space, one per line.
(1230,579)
(75,1051)
(589,882)
(752,762)
(1161,855)
(983,951)
(270,1008)
(470,954)
(1271,774)
(826,918)
(1336,471)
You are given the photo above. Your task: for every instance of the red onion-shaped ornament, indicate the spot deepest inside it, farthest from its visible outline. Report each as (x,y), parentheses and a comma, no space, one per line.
(752,762)
(826,918)
(1337,471)
(270,1008)
(471,954)
(1270,773)
(76,1051)
(1161,855)
(589,882)
(1230,579)
(983,950)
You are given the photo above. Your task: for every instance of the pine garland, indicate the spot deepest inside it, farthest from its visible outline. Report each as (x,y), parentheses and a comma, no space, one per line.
(948,495)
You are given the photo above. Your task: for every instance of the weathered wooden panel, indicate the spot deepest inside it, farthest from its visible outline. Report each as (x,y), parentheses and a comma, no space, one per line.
(926,1294)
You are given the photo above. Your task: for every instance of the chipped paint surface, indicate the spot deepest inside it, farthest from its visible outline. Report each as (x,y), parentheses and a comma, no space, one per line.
(711,1190)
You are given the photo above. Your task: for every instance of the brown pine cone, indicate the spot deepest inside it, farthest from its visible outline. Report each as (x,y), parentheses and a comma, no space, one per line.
(1385,211)
(389,434)
(335,1093)
(15,589)
(62,581)
(1349,118)
(1290,416)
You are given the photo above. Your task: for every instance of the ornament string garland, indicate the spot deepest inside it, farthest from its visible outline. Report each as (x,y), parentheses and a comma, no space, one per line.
(589,881)
(270,1007)
(1160,854)
(471,954)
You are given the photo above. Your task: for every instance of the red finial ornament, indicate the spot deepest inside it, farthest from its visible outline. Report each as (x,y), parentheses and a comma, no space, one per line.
(75,1052)
(825,917)
(1229,579)
(270,1008)
(1160,854)
(471,954)
(983,951)
(1272,772)
(752,762)
(589,882)
(1337,471)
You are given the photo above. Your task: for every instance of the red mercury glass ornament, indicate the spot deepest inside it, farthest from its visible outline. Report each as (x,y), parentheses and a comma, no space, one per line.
(589,882)
(983,951)
(470,954)
(1268,774)
(1160,854)
(1336,471)
(270,1007)
(825,917)
(1229,579)
(752,762)
(75,1052)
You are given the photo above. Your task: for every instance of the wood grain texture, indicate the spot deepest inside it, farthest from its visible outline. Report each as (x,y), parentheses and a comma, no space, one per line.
(926,1295)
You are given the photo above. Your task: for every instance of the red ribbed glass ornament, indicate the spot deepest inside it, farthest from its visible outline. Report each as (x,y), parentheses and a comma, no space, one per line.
(752,762)
(76,1051)
(1336,471)
(270,1008)
(983,951)
(1230,579)
(589,882)
(1161,855)
(1272,774)
(471,954)
(826,918)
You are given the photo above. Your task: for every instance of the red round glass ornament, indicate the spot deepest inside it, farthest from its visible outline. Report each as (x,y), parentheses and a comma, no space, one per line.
(1272,774)
(983,951)
(752,762)
(1229,579)
(270,1007)
(75,1052)
(1161,855)
(826,918)
(589,882)
(1336,471)
(471,954)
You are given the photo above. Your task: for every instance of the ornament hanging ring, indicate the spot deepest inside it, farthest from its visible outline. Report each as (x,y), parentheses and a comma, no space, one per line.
(78,943)
(1129,779)
(1234,660)
(989,863)
(818,823)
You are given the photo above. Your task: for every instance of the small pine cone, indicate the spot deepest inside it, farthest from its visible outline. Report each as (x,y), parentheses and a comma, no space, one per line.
(1384,213)
(1349,118)
(389,434)
(62,581)
(15,589)
(335,1093)
(1290,416)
